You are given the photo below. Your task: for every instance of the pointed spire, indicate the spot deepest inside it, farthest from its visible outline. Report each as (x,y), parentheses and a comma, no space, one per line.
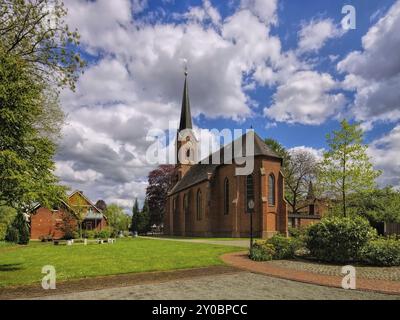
(186,117)
(310,194)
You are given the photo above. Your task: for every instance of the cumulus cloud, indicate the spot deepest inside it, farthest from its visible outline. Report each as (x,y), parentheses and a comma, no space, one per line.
(135,83)
(374,72)
(384,153)
(317,153)
(307,97)
(314,34)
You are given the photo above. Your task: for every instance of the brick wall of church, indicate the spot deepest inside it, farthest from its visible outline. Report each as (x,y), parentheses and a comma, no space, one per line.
(267,219)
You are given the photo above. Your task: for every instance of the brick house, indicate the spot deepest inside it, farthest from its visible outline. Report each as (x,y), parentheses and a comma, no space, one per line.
(45,222)
(212,200)
(311,211)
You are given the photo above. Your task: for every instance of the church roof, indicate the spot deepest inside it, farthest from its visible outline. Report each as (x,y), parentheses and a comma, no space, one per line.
(201,172)
(186,117)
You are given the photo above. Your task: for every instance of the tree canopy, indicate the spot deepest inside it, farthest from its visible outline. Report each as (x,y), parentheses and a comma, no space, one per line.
(26,156)
(35,31)
(346,167)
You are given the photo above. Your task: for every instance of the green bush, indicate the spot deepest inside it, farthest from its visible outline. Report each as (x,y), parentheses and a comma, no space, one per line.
(339,239)
(89,234)
(284,247)
(262,251)
(12,235)
(382,252)
(103,234)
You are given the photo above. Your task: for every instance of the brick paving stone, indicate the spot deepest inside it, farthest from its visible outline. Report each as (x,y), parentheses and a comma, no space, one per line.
(314,273)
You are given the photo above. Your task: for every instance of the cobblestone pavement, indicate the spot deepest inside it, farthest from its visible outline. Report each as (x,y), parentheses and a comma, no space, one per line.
(287,270)
(241,285)
(379,273)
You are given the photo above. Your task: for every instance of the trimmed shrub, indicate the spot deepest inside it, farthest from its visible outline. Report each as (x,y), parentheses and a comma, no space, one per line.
(339,239)
(12,235)
(284,247)
(103,234)
(262,251)
(89,234)
(382,252)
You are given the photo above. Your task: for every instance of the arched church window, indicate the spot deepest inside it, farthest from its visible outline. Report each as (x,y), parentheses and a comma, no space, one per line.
(271,189)
(199,205)
(226,196)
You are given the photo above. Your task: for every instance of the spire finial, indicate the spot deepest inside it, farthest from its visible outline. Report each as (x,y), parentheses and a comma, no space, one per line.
(186,118)
(185,67)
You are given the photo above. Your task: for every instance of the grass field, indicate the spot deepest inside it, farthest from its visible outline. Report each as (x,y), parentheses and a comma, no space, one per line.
(23,264)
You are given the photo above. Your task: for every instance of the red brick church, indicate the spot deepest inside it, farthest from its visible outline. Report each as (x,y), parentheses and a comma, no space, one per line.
(212,200)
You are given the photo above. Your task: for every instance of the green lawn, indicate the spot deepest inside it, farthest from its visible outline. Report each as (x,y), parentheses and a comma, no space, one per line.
(23,264)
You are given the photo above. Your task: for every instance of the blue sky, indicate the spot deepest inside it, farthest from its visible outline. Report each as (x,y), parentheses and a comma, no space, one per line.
(285,67)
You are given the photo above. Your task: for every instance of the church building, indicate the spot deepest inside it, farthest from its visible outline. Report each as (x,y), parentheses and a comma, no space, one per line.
(212,200)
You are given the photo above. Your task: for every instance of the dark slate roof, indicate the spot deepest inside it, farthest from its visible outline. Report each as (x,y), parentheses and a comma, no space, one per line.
(186,117)
(200,172)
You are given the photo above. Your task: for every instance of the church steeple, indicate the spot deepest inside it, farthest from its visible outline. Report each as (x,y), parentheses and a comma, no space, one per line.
(186,117)
(186,143)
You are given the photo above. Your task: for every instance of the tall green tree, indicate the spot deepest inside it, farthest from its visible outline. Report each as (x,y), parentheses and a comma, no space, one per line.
(346,167)
(7,216)
(140,218)
(26,156)
(380,205)
(118,220)
(20,224)
(135,215)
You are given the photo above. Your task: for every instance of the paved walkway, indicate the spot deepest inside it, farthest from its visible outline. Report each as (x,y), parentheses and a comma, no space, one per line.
(286,270)
(232,243)
(238,286)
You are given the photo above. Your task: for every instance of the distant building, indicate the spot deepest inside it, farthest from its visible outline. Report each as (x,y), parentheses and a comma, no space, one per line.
(211,200)
(311,210)
(46,223)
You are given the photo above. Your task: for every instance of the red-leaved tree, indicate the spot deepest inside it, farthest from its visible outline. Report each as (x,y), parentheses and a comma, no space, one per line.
(160,181)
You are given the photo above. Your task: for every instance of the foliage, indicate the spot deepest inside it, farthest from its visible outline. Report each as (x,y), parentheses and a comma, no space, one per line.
(21,225)
(346,167)
(67,225)
(26,156)
(380,205)
(262,251)
(278,149)
(159,182)
(7,216)
(35,31)
(140,218)
(339,239)
(117,219)
(382,252)
(103,234)
(135,216)
(12,235)
(89,234)
(285,247)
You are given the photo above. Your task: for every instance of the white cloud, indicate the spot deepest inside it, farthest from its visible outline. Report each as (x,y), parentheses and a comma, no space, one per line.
(316,33)
(384,153)
(265,10)
(306,98)
(136,84)
(374,72)
(317,153)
